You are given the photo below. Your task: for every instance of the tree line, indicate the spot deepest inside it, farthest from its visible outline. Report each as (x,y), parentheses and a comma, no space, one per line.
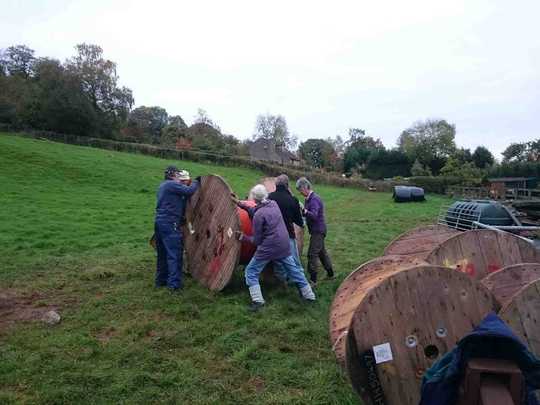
(82,96)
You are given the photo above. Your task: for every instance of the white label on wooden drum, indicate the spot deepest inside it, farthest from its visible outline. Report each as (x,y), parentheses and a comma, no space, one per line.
(382,353)
(190,227)
(229,232)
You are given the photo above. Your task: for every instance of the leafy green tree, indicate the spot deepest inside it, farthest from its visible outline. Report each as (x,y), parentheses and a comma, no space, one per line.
(482,157)
(418,169)
(384,163)
(317,153)
(57,102)
(148,121)
(175,129)
(468,173)
(431,142)
(522,152)
(359,148)
(18,61)
(99,82)
(274,127)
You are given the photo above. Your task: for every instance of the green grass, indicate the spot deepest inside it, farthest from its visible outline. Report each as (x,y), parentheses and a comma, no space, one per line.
(74,226)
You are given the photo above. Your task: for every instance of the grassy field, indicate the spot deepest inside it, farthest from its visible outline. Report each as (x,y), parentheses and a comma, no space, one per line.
(74,226)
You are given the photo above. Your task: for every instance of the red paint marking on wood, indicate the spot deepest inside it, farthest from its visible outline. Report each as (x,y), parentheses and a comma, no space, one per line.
(493,268)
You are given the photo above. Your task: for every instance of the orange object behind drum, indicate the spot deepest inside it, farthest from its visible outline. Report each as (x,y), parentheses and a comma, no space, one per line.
(247,249)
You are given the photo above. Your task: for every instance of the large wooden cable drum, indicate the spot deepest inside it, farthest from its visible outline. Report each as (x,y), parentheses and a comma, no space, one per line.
(421,312)
(211,221)
(350,293)
(481,252)
(522,314)
(420,241)
(506,282)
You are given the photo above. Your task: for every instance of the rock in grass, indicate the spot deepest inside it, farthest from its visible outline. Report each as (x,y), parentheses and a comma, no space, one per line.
(51,318)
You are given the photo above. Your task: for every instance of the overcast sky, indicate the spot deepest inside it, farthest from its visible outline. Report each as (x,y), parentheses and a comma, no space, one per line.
(326,66)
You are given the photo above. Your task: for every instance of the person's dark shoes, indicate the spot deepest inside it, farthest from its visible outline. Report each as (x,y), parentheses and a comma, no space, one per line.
(255,306)
(330,277)
(159,285)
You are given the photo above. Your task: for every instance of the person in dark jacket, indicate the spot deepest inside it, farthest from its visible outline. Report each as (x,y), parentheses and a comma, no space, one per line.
(290,210)
(272,240)
(172,197)
(314,213)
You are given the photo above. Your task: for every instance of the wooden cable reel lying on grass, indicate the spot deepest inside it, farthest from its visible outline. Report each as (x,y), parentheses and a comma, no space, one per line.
(481,252)
(420,241)
(508,281)
(522,314)
(421,312)
(350,293)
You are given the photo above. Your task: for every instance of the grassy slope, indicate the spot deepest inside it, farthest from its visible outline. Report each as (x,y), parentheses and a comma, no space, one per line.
(74,227)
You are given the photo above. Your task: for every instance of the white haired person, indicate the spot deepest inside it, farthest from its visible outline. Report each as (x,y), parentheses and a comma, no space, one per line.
(172,197)
(272,240)
(314,213)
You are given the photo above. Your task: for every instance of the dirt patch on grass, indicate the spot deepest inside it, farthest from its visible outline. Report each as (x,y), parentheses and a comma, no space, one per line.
(22,307)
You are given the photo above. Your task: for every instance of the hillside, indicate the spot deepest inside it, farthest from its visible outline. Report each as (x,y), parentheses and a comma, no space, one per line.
(74,234)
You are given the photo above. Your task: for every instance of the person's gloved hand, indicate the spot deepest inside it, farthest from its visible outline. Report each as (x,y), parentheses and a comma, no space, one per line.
(198,178)
(239,235)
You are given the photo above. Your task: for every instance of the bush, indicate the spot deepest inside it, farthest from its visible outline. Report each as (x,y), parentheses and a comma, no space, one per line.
(437,184)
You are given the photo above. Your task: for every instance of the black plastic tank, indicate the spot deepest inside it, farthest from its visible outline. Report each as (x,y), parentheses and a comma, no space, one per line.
(408,193)
(462,214)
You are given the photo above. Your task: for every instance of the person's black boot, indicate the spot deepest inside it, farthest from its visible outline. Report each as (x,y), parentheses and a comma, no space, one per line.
(255,306)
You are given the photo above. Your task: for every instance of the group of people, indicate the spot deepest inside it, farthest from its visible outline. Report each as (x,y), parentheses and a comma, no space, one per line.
(273,218)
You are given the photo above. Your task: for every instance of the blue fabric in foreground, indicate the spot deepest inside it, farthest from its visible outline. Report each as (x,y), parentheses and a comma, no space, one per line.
(491,339)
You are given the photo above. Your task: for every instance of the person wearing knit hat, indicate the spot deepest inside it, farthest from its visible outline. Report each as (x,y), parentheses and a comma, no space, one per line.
(172,197)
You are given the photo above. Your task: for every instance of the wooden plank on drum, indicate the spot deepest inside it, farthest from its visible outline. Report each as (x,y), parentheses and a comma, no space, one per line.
(509,280)
(209,233)
(351,291)
(420,312)
(522,314)
(419,241)
(481,252)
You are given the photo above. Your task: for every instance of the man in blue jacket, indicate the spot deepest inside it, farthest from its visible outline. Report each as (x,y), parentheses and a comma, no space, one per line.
(314,213)
(172,197)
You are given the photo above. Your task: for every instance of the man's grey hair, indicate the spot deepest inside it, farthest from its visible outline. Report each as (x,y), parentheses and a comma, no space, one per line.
(303,183)
(282,180)
(258,193)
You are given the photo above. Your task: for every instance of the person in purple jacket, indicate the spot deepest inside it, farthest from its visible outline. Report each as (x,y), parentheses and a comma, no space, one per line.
(314,213)
(271,237)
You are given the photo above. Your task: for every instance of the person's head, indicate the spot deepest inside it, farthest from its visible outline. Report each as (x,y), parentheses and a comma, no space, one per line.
(303,185)
(183,177)
(258,193)
(282,180)
(170,172)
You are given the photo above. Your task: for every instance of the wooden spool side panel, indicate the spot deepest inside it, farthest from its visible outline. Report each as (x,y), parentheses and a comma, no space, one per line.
(522,314)
(211,220)
(482,252)
(417,310)
(508,281)
(352,290)
(420,241)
